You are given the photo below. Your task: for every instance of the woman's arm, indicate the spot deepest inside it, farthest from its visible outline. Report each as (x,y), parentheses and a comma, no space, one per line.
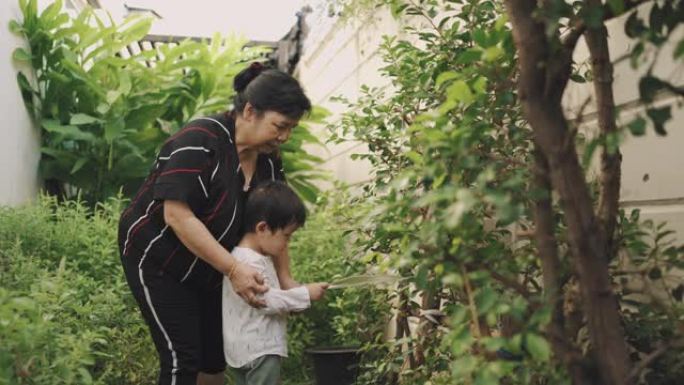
(282,265)
(246,281)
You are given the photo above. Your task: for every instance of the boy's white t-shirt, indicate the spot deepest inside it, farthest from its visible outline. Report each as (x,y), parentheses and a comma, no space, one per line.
(250,333)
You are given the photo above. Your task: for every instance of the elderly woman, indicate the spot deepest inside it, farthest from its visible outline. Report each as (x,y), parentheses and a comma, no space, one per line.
(175,236)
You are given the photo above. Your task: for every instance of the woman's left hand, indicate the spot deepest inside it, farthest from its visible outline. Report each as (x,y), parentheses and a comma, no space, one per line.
(248,284)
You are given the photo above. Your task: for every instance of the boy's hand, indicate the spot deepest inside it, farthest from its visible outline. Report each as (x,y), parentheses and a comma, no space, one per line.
(316,290)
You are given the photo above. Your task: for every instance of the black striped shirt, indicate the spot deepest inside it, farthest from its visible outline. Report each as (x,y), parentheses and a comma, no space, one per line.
(199,165)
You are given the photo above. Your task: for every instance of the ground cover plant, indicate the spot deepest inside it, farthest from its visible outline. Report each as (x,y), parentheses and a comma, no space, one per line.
(67,316)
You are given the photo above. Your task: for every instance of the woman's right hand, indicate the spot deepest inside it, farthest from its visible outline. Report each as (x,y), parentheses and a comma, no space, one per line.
(248,283)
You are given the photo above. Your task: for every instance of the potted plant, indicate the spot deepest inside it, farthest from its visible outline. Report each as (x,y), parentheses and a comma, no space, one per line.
(325,341)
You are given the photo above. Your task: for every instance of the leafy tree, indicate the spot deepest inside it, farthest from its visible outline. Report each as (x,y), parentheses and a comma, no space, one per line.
(483,200)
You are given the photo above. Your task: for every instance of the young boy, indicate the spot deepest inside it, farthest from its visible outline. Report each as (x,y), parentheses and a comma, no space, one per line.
(254,340)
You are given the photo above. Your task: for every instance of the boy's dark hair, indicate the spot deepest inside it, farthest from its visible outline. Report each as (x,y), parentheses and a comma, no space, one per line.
(275,203)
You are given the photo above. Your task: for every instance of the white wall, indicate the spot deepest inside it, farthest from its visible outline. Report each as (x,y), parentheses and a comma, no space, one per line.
(652,166)
(340,57)
(19,149)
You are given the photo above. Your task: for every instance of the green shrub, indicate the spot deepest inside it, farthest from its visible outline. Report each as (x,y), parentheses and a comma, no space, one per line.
(321,252)
(66,314)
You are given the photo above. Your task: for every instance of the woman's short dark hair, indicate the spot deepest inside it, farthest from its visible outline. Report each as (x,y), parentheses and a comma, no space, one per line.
(275,203)
(269,90)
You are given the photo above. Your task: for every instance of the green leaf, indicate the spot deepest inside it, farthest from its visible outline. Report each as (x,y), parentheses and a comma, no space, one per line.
(15,27)
(492,53)
(51,12)
(445,77)
(114,129)
(634,27)
(415,157)
(589,150)
(318,114)
(659,116)
(460,91)
(637,126)
(480,37)
(649,86)
(679,50)
(80,119)
(538,347)
(678,292)
(78,165)
(617,6)
(656,19)
(138,30)
(397,9)
(480,85)
(577,78)
(593,15)
(307,191)
(365,280)
(112,96)
(142,117)
(21,55)
(468,56)
(68,131)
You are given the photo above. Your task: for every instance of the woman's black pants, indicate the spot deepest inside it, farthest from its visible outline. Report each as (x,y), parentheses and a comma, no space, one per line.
(185,322)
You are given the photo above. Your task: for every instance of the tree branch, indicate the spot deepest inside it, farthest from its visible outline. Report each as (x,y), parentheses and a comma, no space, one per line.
(545,115)
(679,91)
(648,360)
(611,161)
(569,40)
(511,283)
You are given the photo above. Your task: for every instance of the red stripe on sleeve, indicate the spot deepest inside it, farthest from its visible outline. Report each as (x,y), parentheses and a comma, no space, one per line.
(188,129)
(180,170)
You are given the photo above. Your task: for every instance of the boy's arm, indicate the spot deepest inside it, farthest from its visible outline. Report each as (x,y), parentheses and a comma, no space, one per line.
(279,301)
(285,301)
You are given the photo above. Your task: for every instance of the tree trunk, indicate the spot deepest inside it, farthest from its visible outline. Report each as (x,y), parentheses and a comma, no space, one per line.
(543,76)
(562,344)
(602,68)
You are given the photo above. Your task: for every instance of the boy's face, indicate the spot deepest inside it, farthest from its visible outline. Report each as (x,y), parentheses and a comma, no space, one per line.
(274,243)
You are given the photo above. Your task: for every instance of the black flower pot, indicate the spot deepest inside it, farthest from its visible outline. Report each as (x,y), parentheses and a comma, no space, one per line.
(335,365)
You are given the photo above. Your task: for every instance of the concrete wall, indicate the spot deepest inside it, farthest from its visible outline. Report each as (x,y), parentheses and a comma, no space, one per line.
(19,149)
(339,57)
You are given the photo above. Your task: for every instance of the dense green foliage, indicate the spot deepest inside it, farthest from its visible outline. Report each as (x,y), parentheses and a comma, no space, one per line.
(321,251)
(66,314)
(454,196)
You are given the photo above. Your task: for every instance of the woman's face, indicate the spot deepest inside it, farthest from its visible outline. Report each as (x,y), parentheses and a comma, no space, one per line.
(270,129)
